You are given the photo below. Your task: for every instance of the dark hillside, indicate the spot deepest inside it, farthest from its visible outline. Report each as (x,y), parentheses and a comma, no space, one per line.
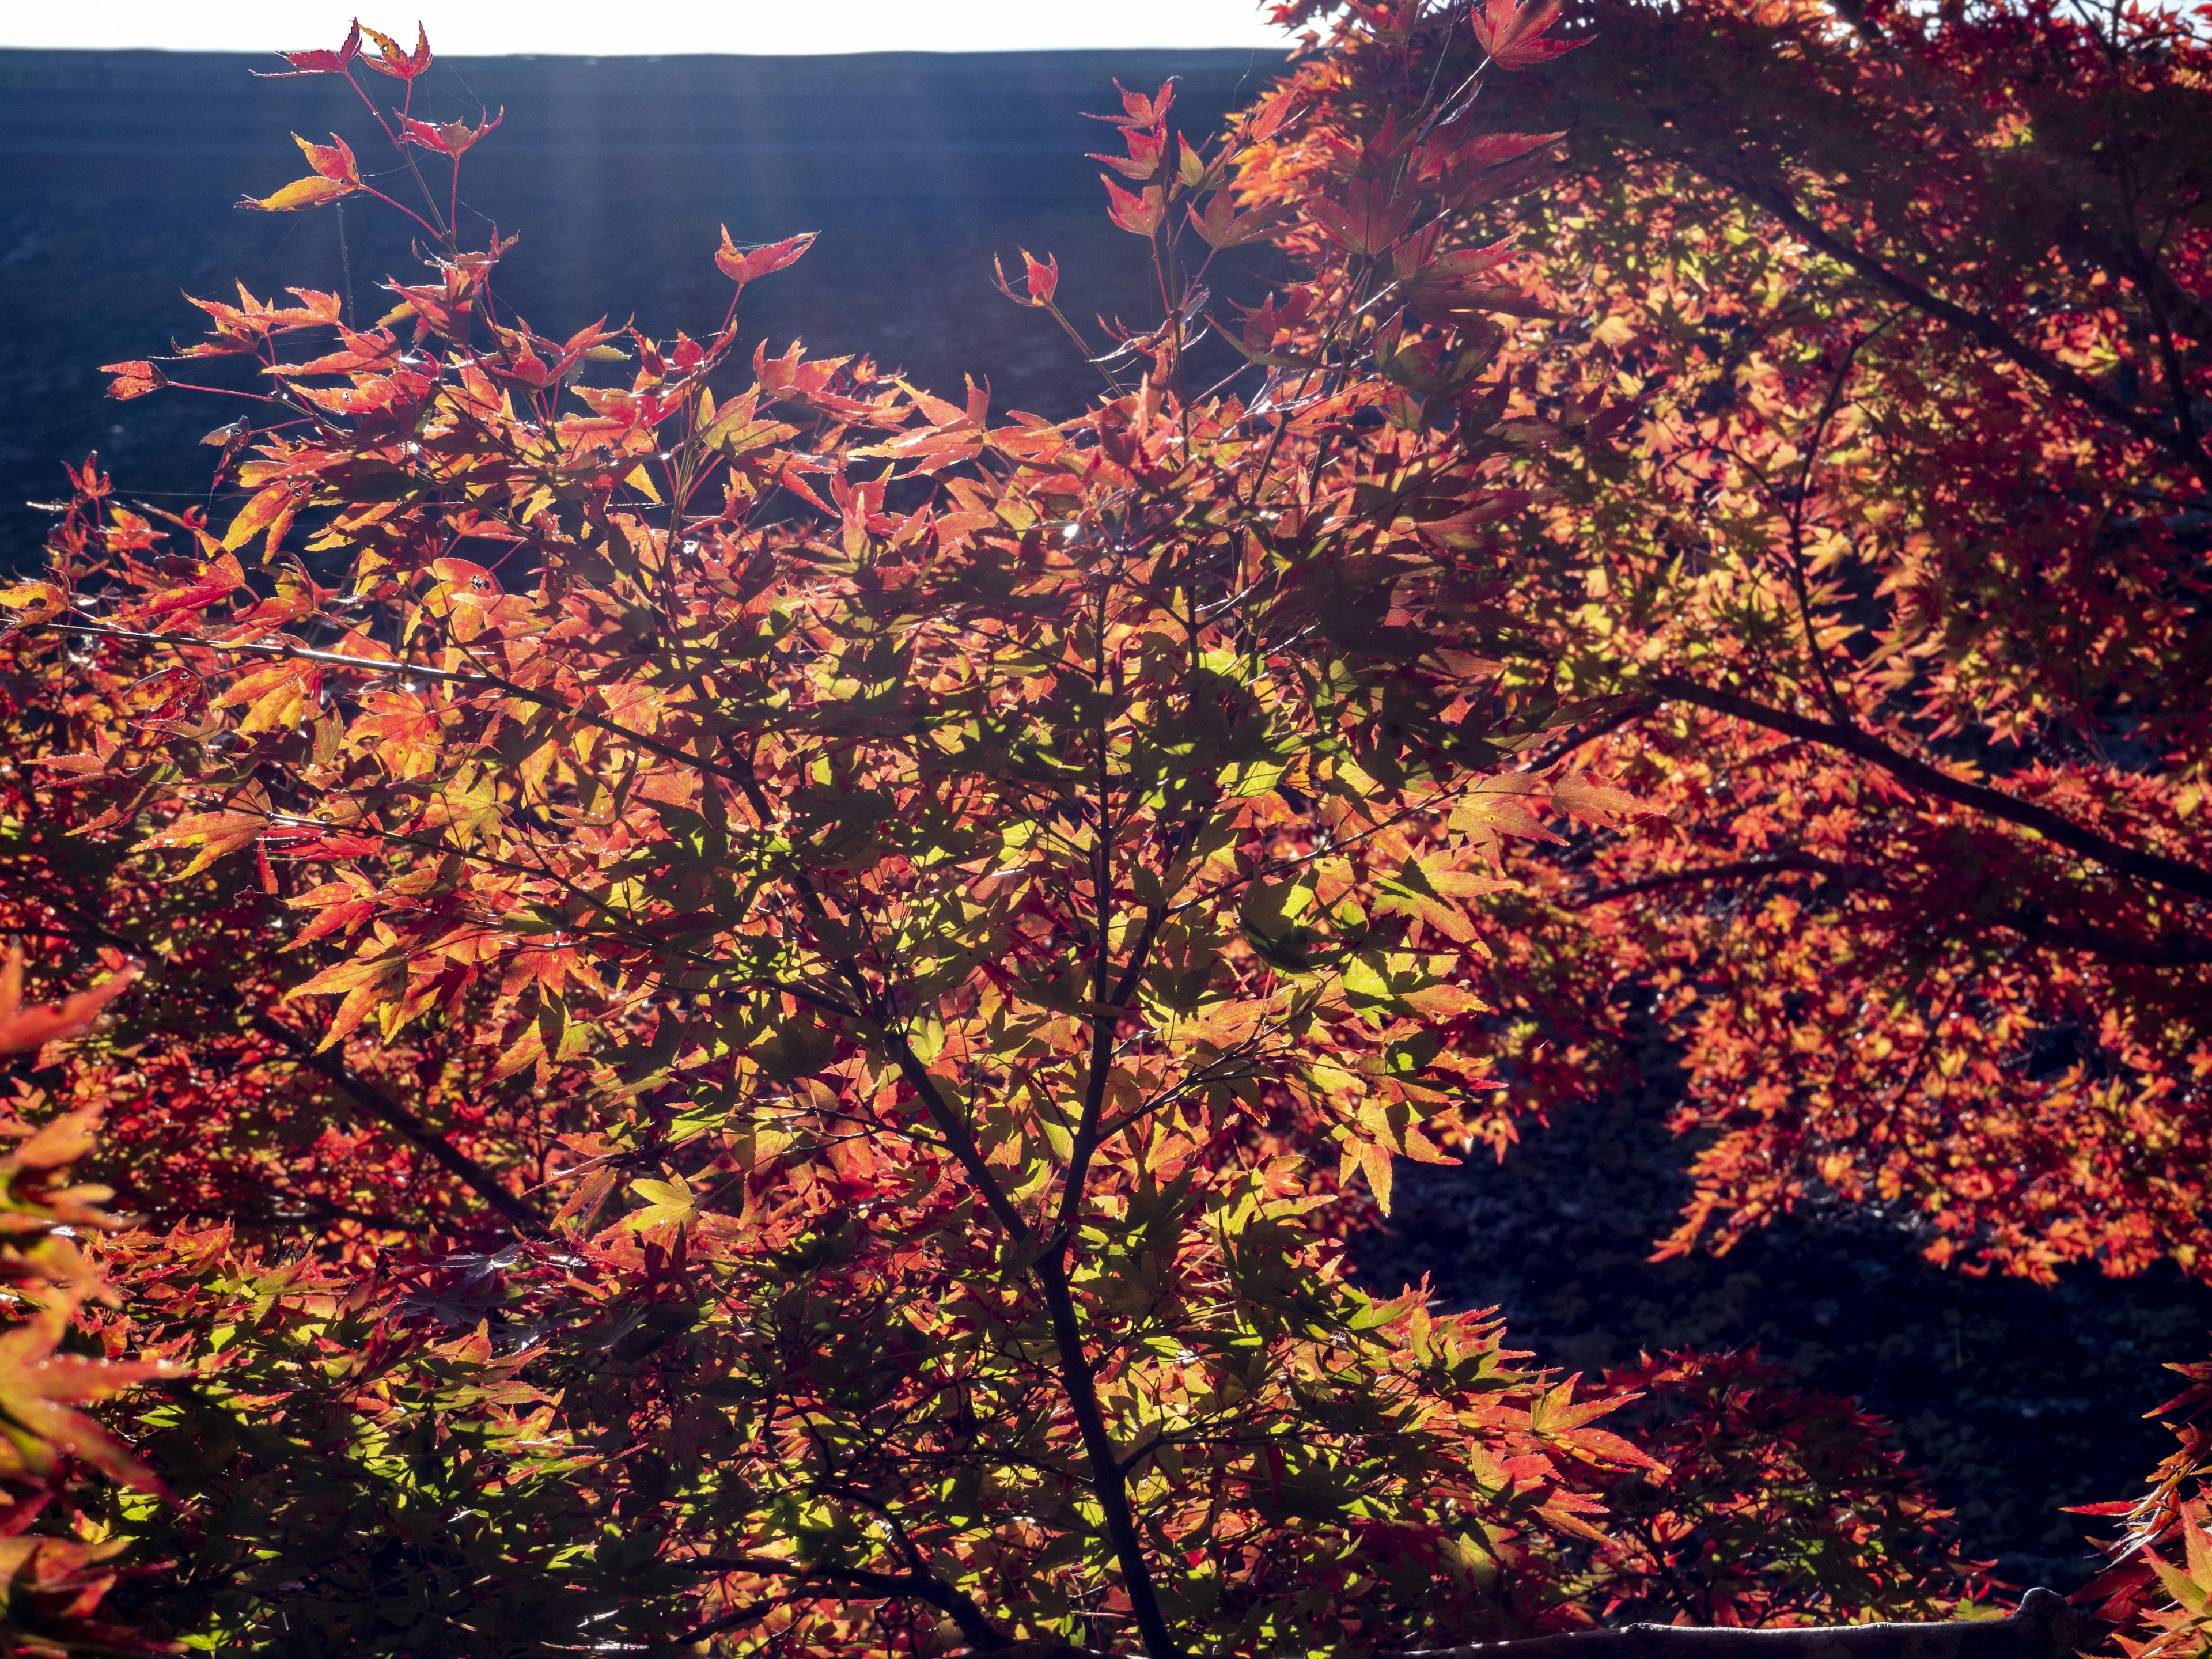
(118,171)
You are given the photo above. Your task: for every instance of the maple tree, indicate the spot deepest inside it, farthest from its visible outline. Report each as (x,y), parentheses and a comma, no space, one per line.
(1778,1505)
(963,875)
(767,996)
(1891,600)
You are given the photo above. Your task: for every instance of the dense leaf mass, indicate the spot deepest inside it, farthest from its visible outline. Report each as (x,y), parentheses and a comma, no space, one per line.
(1779,1506)
(904,910)
(1894,596)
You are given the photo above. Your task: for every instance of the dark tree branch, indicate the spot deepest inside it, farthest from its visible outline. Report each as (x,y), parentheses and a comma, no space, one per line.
(1985,331)
(2166,950)
(365,1094)
(1746,869)
(2164,296)
(320,1206)
(403,1123)
(1105,1016)
(1048,1268)
(1109,1480)
(1628,710)
(922,1586)
(1989,333)
(734,1620)
(2152,867)
(959,1139)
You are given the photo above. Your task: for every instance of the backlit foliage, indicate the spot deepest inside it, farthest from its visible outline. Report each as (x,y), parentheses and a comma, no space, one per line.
(1779,1506)
(766,994)
(1892,601)
(2158,1588)
(977,882)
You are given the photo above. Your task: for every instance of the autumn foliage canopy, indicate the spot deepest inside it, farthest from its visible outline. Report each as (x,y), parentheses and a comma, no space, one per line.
(764,995)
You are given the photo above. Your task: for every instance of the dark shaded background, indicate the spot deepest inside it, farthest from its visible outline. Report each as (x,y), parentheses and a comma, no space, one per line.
(118,172)
(117,176)
(2015,1399)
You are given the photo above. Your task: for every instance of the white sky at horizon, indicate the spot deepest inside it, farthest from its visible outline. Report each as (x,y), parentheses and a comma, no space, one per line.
(470,29)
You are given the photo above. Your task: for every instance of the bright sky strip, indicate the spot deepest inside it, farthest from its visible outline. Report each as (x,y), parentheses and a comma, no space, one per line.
(651,27)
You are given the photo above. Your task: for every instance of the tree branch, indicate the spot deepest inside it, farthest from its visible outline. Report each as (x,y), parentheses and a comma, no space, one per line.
(2153,867)
(1108,1480)
(1629,709)
(1804,863)
(403,1123)
(982,1635)
(1986,331)
(2166,950)
(748,1614)
(958,1135)
(1105,1017)
(2173,950)
(365,1094)
(1049,1270)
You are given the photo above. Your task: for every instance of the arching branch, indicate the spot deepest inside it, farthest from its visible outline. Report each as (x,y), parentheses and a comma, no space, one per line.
(2171,949)
(363,1093)
(1985,331)
(983,1637)
(2153,868)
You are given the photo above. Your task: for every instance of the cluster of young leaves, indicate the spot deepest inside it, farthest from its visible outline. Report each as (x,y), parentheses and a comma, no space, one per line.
(946,903)
(1893,603)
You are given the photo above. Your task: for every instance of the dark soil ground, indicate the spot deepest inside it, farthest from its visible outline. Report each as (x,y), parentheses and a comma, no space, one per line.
(117,176)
